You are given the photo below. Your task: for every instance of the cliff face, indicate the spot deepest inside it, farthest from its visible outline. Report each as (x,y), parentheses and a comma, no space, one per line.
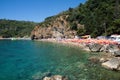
(56,28)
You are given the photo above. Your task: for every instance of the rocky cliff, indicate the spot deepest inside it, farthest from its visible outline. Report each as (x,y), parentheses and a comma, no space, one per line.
(92,14)
(54,27)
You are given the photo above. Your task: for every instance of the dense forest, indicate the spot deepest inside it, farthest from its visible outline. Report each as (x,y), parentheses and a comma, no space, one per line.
(14,28)
(99,17)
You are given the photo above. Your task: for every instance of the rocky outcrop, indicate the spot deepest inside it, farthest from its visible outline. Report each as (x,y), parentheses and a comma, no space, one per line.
(117,53)
(109,48)
(102,60)
(111,60)
(94,47)
(113,64)
(59,27)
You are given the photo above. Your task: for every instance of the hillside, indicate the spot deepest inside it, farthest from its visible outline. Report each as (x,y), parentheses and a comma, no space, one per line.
(95,17)
(55,27)
(100,17)
(14,28)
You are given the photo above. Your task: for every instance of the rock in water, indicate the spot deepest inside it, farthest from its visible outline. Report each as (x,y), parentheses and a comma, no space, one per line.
(117,53)
(113,64)
(94,47)
(103,60)
(56,77)
(112,48)
(40,76)
(47,78)
(94,59)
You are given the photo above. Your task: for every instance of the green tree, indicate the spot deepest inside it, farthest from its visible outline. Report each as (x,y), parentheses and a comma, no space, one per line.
(13,28)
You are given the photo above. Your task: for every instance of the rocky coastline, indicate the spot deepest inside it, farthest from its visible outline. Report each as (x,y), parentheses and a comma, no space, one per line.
(110,52)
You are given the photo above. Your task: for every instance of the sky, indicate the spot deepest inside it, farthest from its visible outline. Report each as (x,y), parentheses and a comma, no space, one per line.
(34,10)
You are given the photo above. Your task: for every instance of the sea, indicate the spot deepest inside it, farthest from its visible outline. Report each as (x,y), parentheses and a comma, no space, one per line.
(33,60)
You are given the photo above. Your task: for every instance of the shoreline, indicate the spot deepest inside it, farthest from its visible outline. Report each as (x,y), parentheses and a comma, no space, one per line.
(13,38)
(109,59)
(66,43)
(81,43)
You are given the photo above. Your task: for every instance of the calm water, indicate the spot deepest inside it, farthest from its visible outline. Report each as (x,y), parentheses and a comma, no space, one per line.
(29,60)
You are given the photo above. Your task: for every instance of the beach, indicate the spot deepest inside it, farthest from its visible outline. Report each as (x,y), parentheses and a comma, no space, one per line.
(80,42)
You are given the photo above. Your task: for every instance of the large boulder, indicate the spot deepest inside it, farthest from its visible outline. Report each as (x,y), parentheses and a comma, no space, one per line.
(46,78)
(104,48)
(116,53)
(84,46)
(113,64)
(112,48)
(94,47)
(103,60)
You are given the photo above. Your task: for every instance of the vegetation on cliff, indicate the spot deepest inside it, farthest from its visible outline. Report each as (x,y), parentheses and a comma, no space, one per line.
(13,28)
(99,17)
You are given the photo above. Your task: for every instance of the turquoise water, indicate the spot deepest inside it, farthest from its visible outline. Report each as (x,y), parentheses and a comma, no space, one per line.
(30,60)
